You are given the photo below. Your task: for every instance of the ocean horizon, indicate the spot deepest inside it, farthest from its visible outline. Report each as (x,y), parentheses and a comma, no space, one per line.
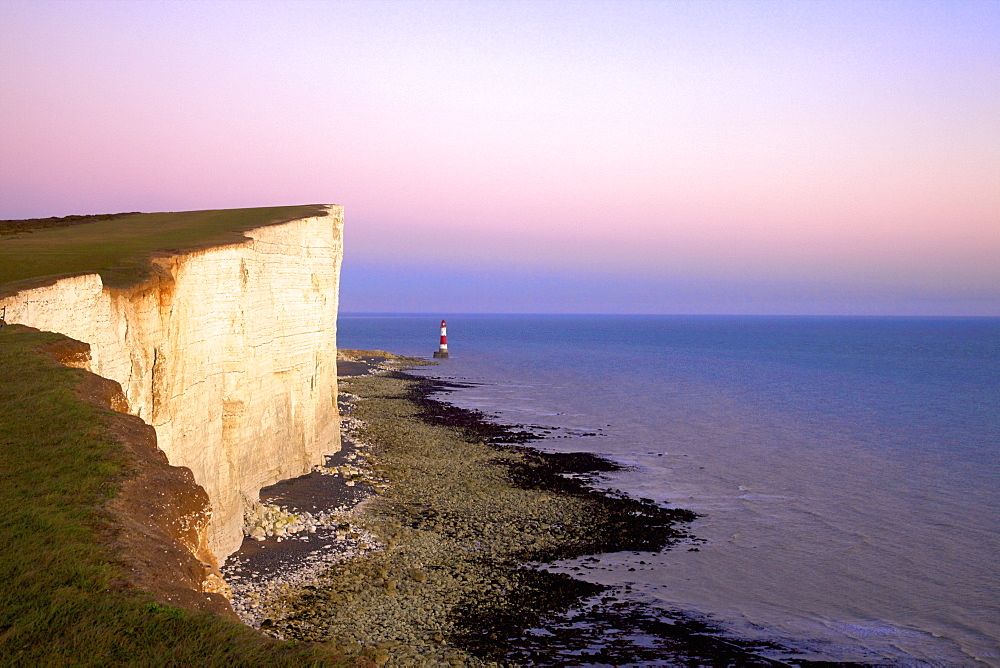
(845,468)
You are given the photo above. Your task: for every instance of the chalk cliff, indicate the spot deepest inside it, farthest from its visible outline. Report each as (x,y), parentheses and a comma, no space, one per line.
(228,352)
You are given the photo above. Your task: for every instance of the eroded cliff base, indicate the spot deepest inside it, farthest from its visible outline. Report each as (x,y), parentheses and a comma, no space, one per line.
(158,517)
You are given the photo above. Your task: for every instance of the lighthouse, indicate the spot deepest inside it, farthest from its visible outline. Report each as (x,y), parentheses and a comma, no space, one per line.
(442,351)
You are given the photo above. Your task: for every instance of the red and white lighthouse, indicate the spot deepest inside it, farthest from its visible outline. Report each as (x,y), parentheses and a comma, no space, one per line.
(442,351)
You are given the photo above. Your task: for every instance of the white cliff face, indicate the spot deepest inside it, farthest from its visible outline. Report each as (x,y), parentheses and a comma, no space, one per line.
(229,353)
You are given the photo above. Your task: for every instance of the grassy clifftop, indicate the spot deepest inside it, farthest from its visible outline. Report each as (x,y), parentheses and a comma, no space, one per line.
(119,246)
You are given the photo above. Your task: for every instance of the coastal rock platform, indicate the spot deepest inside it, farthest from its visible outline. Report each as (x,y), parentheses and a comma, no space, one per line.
(441,562)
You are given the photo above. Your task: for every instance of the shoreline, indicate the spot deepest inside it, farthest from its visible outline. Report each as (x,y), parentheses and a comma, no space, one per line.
(445,562)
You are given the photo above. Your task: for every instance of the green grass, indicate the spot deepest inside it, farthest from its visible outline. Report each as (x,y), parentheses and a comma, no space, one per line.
(60,599)
(33,224)
(119,248)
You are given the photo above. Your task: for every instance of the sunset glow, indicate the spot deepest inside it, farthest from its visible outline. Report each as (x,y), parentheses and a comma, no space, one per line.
(765,157)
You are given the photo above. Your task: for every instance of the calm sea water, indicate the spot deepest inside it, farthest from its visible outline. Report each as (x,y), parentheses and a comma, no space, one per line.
(847,470)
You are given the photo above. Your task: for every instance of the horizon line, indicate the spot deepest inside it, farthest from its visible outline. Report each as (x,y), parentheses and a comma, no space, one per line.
(437,314)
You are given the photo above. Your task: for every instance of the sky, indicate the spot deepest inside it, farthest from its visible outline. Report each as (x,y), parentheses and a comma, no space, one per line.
(576,157)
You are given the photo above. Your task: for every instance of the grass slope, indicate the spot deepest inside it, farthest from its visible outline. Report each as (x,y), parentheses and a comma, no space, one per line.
(119,247)
(59,601)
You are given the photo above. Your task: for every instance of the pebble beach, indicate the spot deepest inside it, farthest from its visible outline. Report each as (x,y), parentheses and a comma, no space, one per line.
(424,540)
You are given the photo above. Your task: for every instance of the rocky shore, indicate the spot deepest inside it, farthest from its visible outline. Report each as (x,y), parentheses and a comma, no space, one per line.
(424,541)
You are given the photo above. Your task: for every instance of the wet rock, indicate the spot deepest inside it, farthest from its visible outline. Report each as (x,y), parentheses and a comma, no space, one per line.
(464,503)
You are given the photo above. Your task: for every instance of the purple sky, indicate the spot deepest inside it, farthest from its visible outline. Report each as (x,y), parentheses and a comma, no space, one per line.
(662,157)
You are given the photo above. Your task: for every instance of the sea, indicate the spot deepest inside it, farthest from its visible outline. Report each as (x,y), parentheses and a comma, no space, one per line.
(845,470)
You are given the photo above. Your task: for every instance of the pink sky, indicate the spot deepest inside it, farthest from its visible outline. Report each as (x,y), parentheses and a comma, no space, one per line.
(700,157)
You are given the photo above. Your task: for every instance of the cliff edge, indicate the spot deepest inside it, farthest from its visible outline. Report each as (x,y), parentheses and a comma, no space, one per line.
(228,352)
